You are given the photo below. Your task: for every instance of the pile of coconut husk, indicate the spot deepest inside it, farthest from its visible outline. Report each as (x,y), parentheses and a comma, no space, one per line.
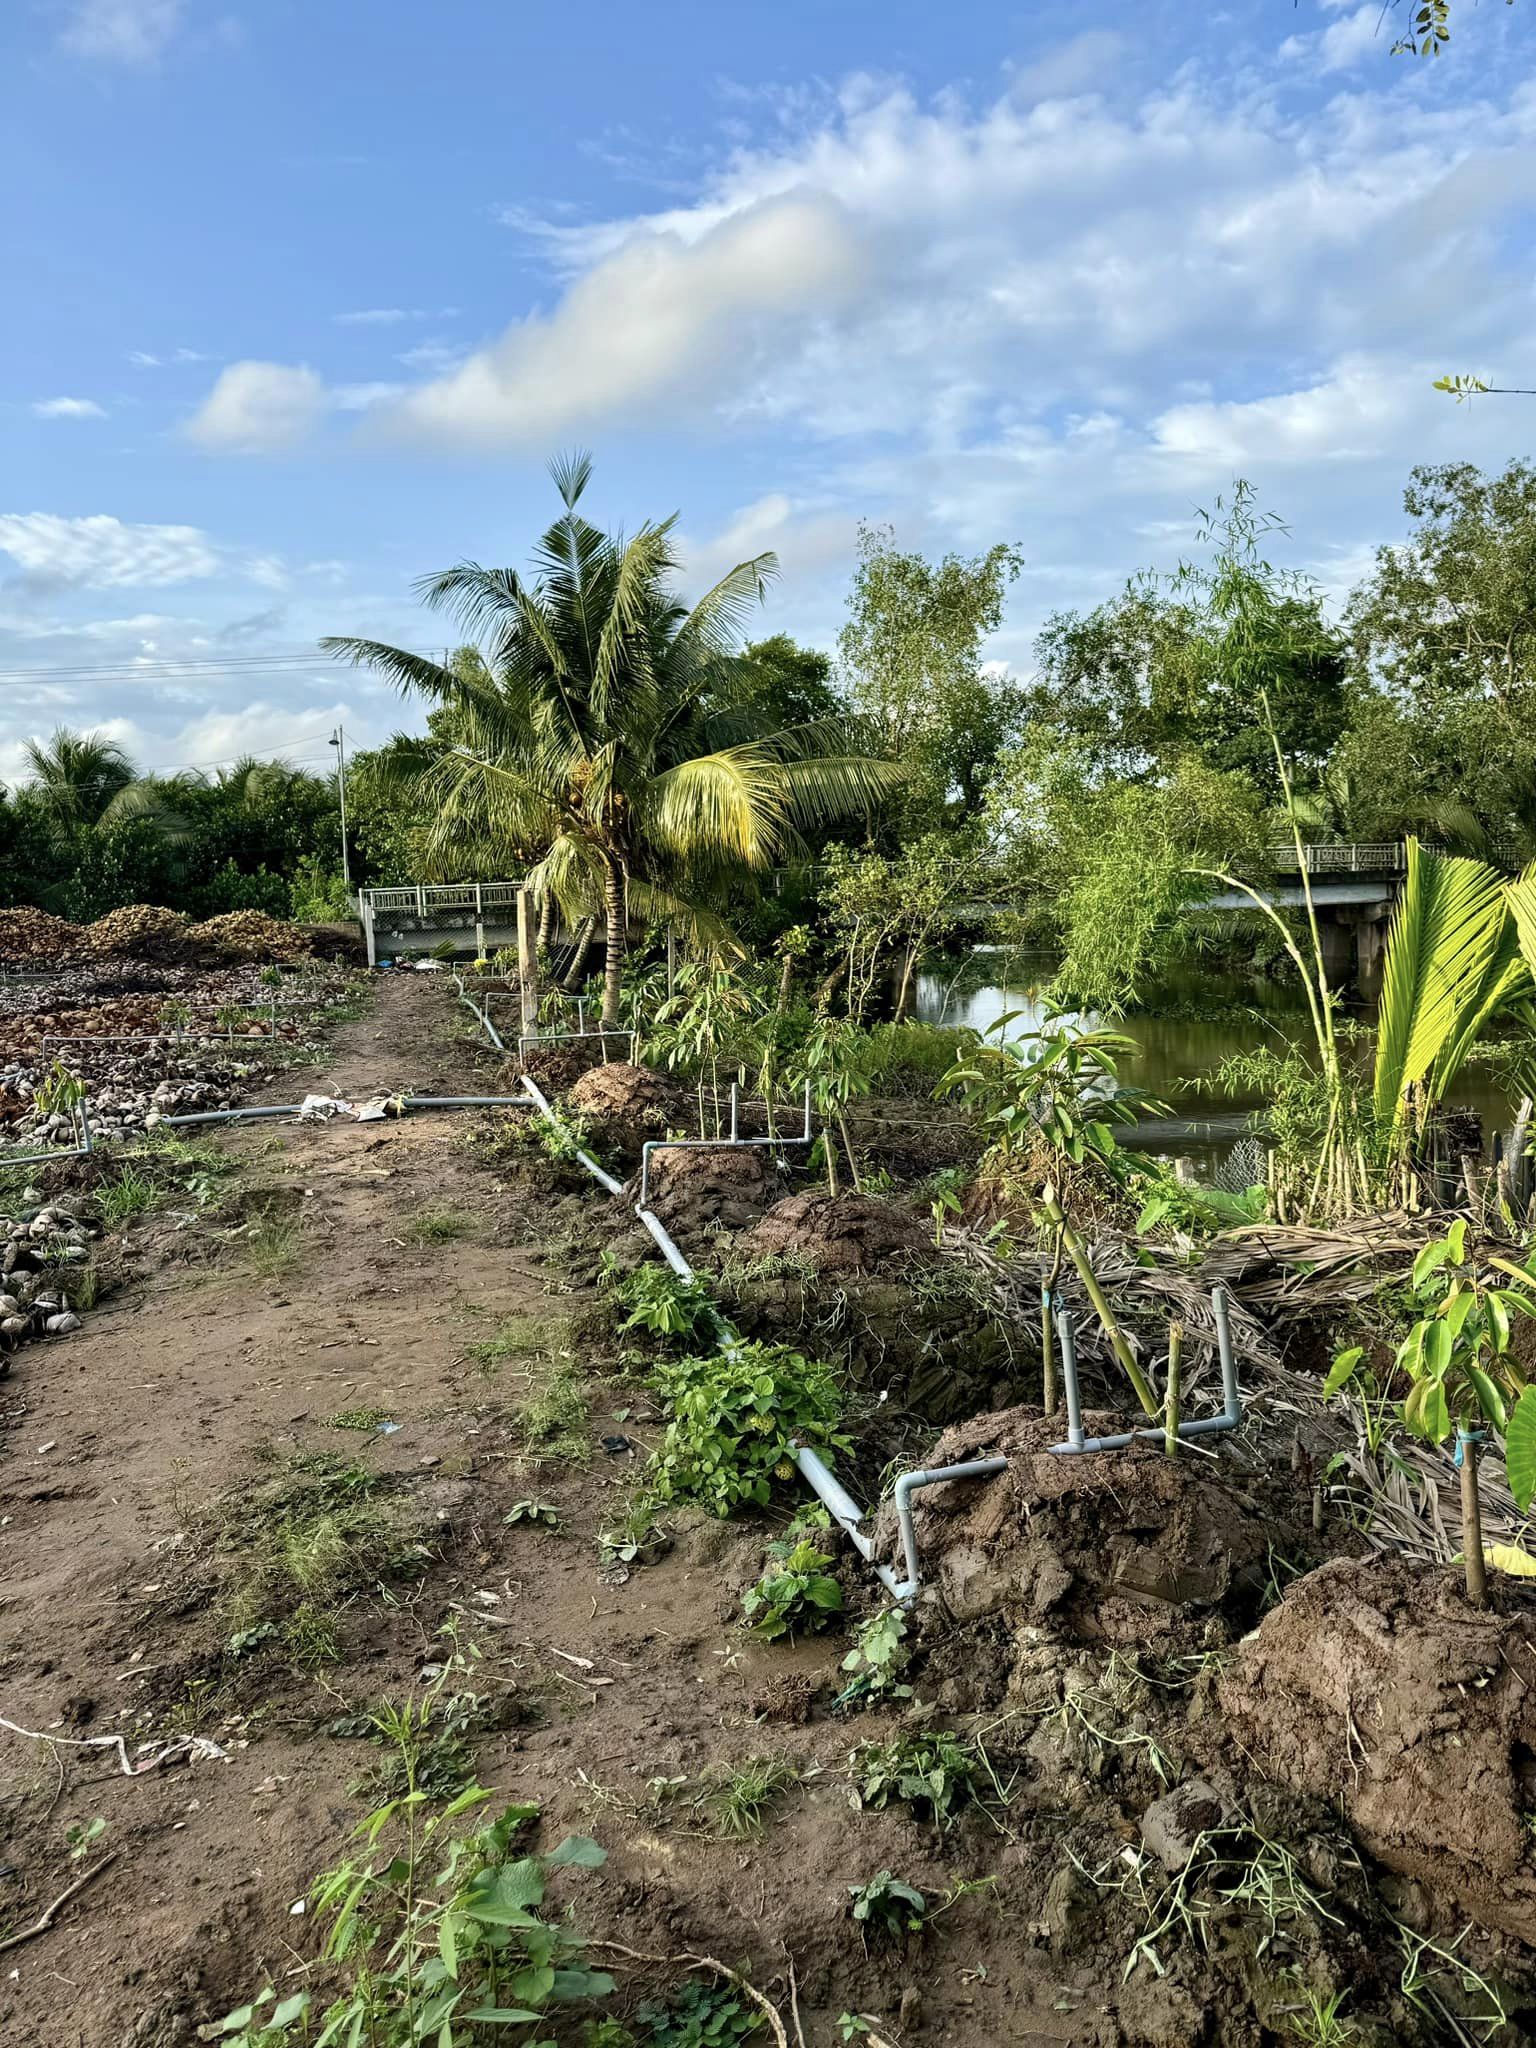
(40,1245)
(249,935)
(143,931)
(31,938)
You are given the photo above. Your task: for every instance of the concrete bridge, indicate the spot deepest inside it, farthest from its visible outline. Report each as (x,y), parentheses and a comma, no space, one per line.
(1353,890)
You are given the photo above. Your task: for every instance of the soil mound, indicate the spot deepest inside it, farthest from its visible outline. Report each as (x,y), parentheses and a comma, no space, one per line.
(31,937)
(840,1233)
(555,1066)
(689,1190)
(625,1105)
(1116,1548)
(147,931)
(1375,1686)
(249,935)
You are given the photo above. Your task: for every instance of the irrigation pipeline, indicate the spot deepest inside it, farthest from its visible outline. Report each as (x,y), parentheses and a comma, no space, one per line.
(823,1482)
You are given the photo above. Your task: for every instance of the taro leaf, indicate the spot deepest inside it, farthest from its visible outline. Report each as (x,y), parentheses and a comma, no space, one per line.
(579,1851)
(1520,1449)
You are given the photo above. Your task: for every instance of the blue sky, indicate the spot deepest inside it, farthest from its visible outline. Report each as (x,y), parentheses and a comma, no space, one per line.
(302,294)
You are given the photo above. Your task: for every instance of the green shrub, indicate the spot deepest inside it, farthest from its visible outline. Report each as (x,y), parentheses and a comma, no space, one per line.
(795,1595)
(731,1417)
(930,1773)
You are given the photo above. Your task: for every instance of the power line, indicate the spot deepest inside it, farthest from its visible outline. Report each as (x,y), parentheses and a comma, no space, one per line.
(175,667)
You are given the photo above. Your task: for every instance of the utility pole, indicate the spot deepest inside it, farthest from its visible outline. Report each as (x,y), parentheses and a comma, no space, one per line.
(339,742)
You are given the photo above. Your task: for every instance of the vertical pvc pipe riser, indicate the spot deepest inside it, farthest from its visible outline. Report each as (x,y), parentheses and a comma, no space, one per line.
(1231,1396)
(1068,1349)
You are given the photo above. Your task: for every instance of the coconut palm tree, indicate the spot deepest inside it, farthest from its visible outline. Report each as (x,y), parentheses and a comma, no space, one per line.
(82,782)
(609,732)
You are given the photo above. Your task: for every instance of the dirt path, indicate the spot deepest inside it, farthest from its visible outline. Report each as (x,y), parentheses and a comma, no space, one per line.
(392,1253)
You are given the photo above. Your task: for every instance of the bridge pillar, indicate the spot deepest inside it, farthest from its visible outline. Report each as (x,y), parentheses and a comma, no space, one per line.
(1370,947)
(1338,943)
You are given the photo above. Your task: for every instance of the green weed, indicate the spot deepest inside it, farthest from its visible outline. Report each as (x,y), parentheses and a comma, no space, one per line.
(556,1422)
(441,1226)
(741,1804)
(430,1926)
(934,1774)
(887,1908)
(795,1595)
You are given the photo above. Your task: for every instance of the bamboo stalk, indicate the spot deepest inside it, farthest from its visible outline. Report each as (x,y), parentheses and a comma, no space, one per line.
(1106,1315)
(1171,1393)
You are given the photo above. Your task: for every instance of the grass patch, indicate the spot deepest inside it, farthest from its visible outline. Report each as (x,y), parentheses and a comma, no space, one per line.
(745,1798)
(359,1418)
(129,1193)
(516,1337)
(441,1226)
(310,1539)
(272,1243)
(557,1421)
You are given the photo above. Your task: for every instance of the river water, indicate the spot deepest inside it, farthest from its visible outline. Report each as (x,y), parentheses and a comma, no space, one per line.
(1182,1037)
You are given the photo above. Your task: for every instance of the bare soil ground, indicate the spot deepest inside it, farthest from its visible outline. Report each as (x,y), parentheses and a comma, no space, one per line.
(124,1446)
(384,1272)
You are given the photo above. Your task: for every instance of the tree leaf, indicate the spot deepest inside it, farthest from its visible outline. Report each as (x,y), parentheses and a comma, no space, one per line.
(1343,1369)
(1520,1450)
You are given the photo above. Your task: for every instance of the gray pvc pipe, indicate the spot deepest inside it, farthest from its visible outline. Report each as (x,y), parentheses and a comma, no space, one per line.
(541,1103)
(845,1511)
(908,1484)
(1078,1445)
(669,1250)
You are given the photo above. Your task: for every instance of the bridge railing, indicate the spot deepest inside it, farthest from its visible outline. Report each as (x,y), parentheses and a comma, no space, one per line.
(426,899)
(1362,857)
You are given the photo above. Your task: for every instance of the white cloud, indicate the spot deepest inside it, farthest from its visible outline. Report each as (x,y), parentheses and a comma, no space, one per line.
(255,408)
(805,540)
(143,359)
(670,315)
(69,409)
(102,553)
(392,316)
(364,397)
(1347,42)
(121,31)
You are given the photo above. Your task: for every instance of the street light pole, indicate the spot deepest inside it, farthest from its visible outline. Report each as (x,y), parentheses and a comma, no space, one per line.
(339,742)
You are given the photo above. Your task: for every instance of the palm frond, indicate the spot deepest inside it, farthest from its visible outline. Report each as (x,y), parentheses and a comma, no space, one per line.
(478,598)
(571,473)
(144,802)
(721,616)
(1444,936)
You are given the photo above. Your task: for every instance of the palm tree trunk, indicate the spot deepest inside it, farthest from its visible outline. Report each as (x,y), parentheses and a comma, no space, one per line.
(786,982)
(576,973)
(616,911)
(546,924)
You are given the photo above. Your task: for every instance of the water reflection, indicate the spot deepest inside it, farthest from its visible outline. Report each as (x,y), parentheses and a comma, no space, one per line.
(1192,1025)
